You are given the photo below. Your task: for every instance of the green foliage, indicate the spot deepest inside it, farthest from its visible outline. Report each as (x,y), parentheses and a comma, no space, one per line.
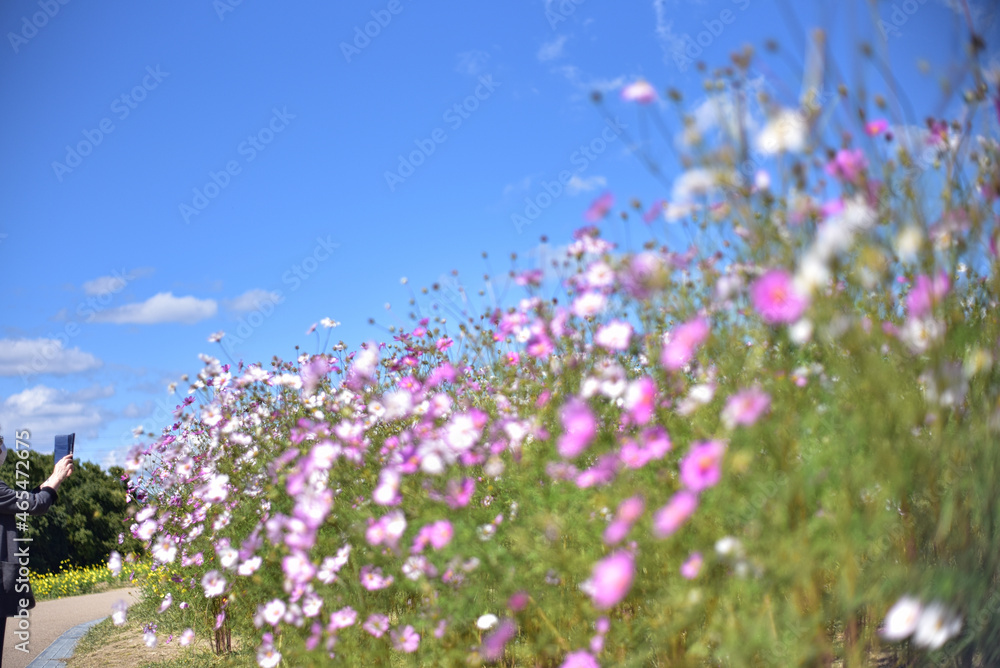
(84,525)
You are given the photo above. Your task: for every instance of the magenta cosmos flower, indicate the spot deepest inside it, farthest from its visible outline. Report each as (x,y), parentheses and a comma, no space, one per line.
(682,342)
(776,299)
(580,659)
(599,208)
(877,127)
(612,579)
(702,467)
(691,567)
(670,517)
(847,165)
(745,407)
(579,427)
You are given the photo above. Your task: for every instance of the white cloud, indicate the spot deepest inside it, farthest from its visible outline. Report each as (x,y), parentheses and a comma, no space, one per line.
(523,185)
(587,85)
(552,50)
(93,392)
(134,410)
(251,300)
(161,308)
(34,356)
(472,62)
(45,412)
(116,282)
(578,184)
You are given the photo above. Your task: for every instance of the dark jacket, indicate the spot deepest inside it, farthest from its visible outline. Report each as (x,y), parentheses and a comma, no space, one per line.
(15,555)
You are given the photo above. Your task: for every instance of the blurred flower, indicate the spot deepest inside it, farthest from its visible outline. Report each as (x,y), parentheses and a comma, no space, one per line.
(701,468)
(407,640)
(682,342)
(599,208)
(213,583)
(926,292)
(579,428)
(487,621)
(784,132)
(580,659)
(745,407)
(876,127)
(776,299)
(494,643)
(640,91)
(670,517)
(115,563)
(612,579)
(901,620)
(614,335)
(118,612)
(936,626)
(728,546)
(376,625)
(847,165)
(692,566)
(187,637)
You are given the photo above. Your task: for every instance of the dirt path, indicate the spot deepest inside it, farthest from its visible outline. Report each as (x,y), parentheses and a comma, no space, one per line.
(50,619)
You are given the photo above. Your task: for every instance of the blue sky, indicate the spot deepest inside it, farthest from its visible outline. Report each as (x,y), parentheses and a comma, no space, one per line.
(175,169)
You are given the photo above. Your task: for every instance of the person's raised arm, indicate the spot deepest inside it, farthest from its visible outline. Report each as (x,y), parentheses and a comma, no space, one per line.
(63,469)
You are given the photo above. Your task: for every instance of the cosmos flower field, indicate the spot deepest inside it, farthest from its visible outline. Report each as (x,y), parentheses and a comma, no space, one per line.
(774,444)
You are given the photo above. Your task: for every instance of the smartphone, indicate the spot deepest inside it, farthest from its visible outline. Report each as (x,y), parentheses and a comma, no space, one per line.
(64,446)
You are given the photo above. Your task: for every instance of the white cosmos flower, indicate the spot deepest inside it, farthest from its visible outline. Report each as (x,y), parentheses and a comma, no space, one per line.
(901,620)
(487,621)
(784,132)
(936,625)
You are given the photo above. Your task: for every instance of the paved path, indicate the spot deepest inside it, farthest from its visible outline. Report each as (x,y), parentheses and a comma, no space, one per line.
(51,619)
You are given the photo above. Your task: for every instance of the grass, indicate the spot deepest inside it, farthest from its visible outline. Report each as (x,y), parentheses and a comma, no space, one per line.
(106,645)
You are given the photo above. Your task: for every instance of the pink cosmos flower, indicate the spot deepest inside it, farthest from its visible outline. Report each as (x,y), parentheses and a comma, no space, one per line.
(298,568)
(633,455)
(376,624)
(372,578)
(640,399)
(440,534)
(459,494)
(579,428)
(657,442)
(612,579)
(655,211)
(616,532)
(406,640)
(691,567)
(682,342)
(702,467)
(213,583)
(847,165)
(599,208)
(776,299)
(341,619)
(745,407)
(670,517)
(614,335)
(925,293)
(495,642)
(518,601)
(640,91)
(876,127)
(631,509)
(580,659)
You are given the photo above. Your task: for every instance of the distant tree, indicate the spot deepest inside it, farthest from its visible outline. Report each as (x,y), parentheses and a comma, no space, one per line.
(85,523)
